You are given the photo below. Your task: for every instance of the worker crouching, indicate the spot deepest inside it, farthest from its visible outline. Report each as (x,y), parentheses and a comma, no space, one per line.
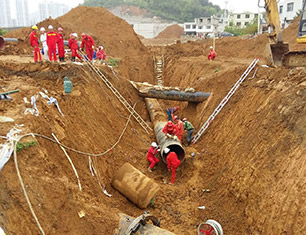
(172,163)
(170,129)
(151,156)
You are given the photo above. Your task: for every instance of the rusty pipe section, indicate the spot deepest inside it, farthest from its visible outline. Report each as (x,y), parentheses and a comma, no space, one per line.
(196,97)
(159,119)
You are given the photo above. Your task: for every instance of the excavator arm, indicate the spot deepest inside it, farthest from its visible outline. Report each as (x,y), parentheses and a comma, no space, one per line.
(278,47)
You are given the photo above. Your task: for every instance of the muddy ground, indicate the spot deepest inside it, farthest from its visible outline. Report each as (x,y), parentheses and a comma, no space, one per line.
(258,138)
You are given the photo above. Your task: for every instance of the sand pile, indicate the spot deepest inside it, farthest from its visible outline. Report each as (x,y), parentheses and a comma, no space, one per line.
(290,35)
(172,31)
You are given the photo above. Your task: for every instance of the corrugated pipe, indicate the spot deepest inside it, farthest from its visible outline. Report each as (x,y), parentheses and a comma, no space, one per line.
(159,119)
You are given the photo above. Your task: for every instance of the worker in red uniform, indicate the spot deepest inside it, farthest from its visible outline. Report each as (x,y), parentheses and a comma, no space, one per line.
(180,128)
(89,44)
(34,43)
(51,41)
(101,55)
(73,45)
(212,54)
(60,45)
(172,163)
(170,129)
(151,156)
(170,112)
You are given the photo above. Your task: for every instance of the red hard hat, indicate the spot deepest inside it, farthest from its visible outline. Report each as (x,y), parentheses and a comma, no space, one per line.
(176,108)
(60,29)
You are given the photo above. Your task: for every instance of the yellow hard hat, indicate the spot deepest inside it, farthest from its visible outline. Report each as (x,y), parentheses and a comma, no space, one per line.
(34,27)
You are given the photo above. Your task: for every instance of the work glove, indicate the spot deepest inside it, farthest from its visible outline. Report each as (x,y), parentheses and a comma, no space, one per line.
(93,47)
(175,138)
(168,135)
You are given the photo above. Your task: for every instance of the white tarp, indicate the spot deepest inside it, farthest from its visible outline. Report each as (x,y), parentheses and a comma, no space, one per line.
(7,148)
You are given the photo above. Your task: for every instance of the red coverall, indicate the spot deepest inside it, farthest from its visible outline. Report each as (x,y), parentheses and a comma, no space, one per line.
(34,44)
(89,42)
(180,129)
(212,55)
(170,128)
(60,46)
(172,163)
(101,55)
(73,45)
(151,157)
(51,42)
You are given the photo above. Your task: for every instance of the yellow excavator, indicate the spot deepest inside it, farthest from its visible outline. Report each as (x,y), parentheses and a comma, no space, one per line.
(281,56)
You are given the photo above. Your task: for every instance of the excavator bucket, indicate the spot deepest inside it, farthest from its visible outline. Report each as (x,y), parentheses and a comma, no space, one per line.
(1,42)
(277,51)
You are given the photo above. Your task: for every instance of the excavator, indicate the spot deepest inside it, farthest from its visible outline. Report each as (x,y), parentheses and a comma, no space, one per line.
(281,56)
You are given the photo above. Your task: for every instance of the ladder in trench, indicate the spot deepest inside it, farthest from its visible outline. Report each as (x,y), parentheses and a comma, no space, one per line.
(224,101)
(132,111)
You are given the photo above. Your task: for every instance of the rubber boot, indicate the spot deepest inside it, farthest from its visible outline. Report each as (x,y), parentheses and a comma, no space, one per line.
(73,59)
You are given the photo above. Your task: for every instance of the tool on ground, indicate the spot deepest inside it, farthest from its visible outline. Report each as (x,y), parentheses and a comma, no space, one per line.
(210,227)
(141,221)
(207,190)
(6,95)
(224,101)
(137,117)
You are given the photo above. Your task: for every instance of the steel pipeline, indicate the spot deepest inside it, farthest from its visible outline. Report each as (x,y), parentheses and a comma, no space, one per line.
(159,119)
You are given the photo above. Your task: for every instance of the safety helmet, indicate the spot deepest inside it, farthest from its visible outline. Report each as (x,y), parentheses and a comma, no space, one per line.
(166,150)
(154,145)
(211,47)
(176,118)
(60,29)
(170,123)
(74,35)
(184,119)
(42,29)
(83,35)
(100,47)
(34,27)
(50,27)
(176,108)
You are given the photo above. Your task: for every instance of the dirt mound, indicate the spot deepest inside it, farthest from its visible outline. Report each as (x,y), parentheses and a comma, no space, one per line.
(172,31)
(290,35)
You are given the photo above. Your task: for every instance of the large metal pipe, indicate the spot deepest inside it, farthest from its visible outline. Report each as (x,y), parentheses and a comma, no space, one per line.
(170,93)
(158,117)
(177,95)
(1,42)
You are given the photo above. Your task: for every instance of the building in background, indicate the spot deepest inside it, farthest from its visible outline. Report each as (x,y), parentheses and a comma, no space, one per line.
(5,13)
(202,26)
(22,13)
(288,9)
(49,8)
(242,19)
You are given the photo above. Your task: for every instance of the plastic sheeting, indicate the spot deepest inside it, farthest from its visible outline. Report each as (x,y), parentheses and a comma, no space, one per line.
(8,147)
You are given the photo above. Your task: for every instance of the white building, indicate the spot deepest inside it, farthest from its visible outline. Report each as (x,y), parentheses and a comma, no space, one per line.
(202,26)
(242,19)
(288,9)
(47,9)
(5,13)
(22,12)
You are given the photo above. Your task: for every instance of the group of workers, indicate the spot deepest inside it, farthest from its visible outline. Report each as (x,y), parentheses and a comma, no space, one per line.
(175,131)
(53,44)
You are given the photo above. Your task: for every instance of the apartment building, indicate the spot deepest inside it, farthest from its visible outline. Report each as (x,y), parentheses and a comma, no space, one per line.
(52,9)
(288,9)
(22,12)
(242,19)
(202,26)
(5,13)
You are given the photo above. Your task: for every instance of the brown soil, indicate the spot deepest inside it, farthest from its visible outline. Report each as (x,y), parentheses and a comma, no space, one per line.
(172,31)
(259,136)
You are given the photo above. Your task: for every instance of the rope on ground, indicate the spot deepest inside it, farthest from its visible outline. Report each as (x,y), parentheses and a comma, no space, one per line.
(213,181)
(69,159)
(64,146)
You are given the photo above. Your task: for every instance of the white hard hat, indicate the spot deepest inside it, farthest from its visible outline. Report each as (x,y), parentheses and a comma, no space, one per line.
(42,29)
(50,27)
(166,150)
(211,47)
(75,35)
(154,145)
